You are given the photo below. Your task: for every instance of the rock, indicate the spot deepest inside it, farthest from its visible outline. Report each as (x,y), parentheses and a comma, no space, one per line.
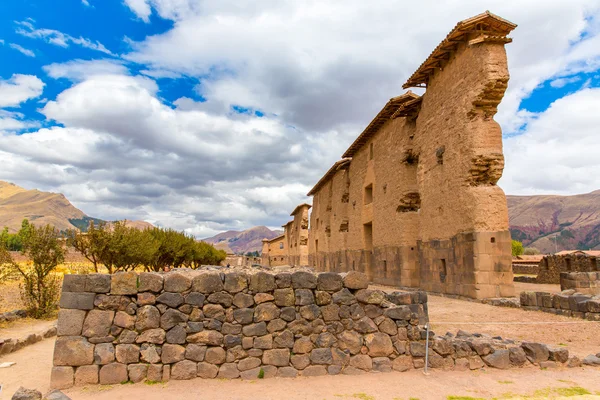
(379,344)
(212,338)
(264,342)
(50,332)
(183,370)
(222,298)
(263,297)
(548,364)
(207,283)
(351,341)
(127,353)
(574,362)
(287,372)
(329,282)
(172,353)
(113,373)
(243,300)
(166,373)
(276,325)
(228,371)
(195,352)
(304,297)
(176,335)
(27,394)
(171,318)
(215,355)
(401,313)
(314,370)
(77,301)
(300,361)
(365,325)
(73,351)
(302,345)
(207,371)
(266,312)
(355,280)
(304,280)
(283,280)
(344,297)
(57,394)
(475,362)
(442,347)
(284,297)
(124,283)
(173,300)
(102,339)
(195,299)
(70,322)
(277,357)
(310,312)
(61,377)
(259,329)
(535,352)
(382,364)
(149,354)
(370,296)
(560,355)
(326,340)
(137,372)
(517,356)
(461,364)
(388,326)
(155,372)
(235,282)
(591,360)
(148,317)
(104,353)
(322,298)
(261,282)
(288,314)
(321,356)
(361,361)
(214,311)
(498,359)
(110,302)
(177,282)
(331,312)
(150,282)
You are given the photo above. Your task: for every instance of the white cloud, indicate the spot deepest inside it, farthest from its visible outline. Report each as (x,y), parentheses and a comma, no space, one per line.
(561,82)
(556,155)
(78,70)
(18,89)
(57,38)
(22,49)
(141,8)
(85,3)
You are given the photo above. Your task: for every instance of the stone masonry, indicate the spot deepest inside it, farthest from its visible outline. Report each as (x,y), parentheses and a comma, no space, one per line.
(551,266)
(186,324)
(414,202)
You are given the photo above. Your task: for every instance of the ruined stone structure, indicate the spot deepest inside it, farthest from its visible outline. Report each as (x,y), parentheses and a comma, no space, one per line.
(551,266)
(414,201)
(291,248)
(581,282)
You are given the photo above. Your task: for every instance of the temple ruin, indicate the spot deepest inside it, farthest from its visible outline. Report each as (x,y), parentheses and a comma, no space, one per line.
(414,202)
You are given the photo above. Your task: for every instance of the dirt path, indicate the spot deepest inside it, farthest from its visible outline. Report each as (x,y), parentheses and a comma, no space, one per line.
(536,287)
(25,326)
(34,363)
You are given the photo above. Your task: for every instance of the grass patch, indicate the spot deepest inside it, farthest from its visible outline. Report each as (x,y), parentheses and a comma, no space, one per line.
(505,382)
(464,398)
(127,383)
(261,374)
(546,393)
(360,396)
(150,383)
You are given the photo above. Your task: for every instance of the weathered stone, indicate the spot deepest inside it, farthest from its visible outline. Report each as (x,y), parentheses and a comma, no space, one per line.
(214,311)
(127,337)
(148,317)
(276,325)
(170,299)
(237,353)
(62,377)
(288,314)
(215,355)
(283,280)
(361,361)
(110,302)
(329,281)
(243,300)
(207,283)
(171,318)
(442,346)
(365,325)
(264,342)
(398,313)
(265,312)
(417,349)
(137,372)
(195,299)
(150,282)
(560,355)
(149,353)
(176,335)
(591,360)
(127,353)
(166,373)
(230,341)
(322,298)
(321,356)
(498,359)
(228,371)
(517,356)
(535,352)
(402,363)
(310,312)
(351,341)
(261,282)
(207,371)
(155,373)
(379,344)
(77,301)
(113,373)
(222,298)
(304,297)
(235,282)
(277,357)
(482,347)
(124,283)
(259,329)
(172,353)
(95,283)
(195,352)
(26,394)
(344,297)
(370,296)
(284,297)
(212,338)
(73,351)
(475,362)
(287,372)
(300,361)
(123,320)
(263,297)
(382,364)
(156,336)
(104,353)
(177,282)
(388,326)
(184,370)
(326,339)
(304,280)
(70,322)
(574,362)
(355,280)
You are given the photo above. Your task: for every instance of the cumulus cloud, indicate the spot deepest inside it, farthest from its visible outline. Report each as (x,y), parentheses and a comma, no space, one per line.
(78,70)
(19,88)
(22,50)
(141,8)
(57,38)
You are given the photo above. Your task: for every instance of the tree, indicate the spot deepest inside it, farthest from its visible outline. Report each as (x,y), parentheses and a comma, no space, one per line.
(174,248)
(517,248)
(126,248)
(40,289)
(530,251)
(90,244)
(11,241)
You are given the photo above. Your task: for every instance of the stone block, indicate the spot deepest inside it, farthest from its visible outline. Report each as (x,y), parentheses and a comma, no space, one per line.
(535,352)
(70,322)
(329,282)
(283,280)
(207,283)
(97,323)
(379,344)
(172,353)
(149,353)
(177,282)
(113,373)
(127,353)
(62,377)
(361,361)
(97,283)
(284,297)
(86,375)
(321,356)
(150,282)
(498,359)
(77,301)
(235,282)
(304,280)
(228,371)
(355,280)
(73,351)
(207,371)
(74,283)
(560,355)
(382,364)
(155,336)
(314,370)
(184,370)
(124,283)
(155,372)
(208,337)
(104,353)
(277,357)
(517,356)
(343,297)
(171,318)
(261,282)
(287,372)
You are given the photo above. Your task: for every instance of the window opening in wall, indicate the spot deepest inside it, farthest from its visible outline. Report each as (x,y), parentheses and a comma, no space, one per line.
(317,223)
(493,240)
(353,266)
(385,268)
(369,194)
(568,261)
(371,151)
(443,271)
(368,236)
(316,246)
(281,245)
(440,155)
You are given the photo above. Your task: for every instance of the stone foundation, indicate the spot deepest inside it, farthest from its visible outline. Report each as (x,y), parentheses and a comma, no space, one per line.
(582,282)
(551,266)
(574,305)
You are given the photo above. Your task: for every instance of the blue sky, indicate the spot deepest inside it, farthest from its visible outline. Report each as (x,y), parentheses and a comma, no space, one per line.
(209,116)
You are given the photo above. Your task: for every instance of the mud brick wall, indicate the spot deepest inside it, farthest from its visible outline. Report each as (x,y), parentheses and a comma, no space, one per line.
(575,305)
(529,269)
(582,282)
(551,266)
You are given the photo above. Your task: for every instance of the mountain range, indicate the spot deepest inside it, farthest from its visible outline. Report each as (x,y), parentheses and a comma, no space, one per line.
(41,208)
(246,241)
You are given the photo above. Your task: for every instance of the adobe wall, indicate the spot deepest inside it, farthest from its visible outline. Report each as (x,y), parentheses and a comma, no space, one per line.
(296,233)
(275,252)
(551,266)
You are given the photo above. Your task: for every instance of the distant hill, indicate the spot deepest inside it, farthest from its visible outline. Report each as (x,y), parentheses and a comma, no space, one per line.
(552,223)
(242,242)
(41,208)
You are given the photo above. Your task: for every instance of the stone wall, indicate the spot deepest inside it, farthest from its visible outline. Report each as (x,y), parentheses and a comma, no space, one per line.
(525,268)
(551,266)
(582,282)
(575,305)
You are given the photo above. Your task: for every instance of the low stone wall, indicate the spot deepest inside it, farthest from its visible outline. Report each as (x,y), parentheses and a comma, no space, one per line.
(551,266)
(582,282)
(186,324)
(575,305)
(12,315)
(9,345)
(526,269)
